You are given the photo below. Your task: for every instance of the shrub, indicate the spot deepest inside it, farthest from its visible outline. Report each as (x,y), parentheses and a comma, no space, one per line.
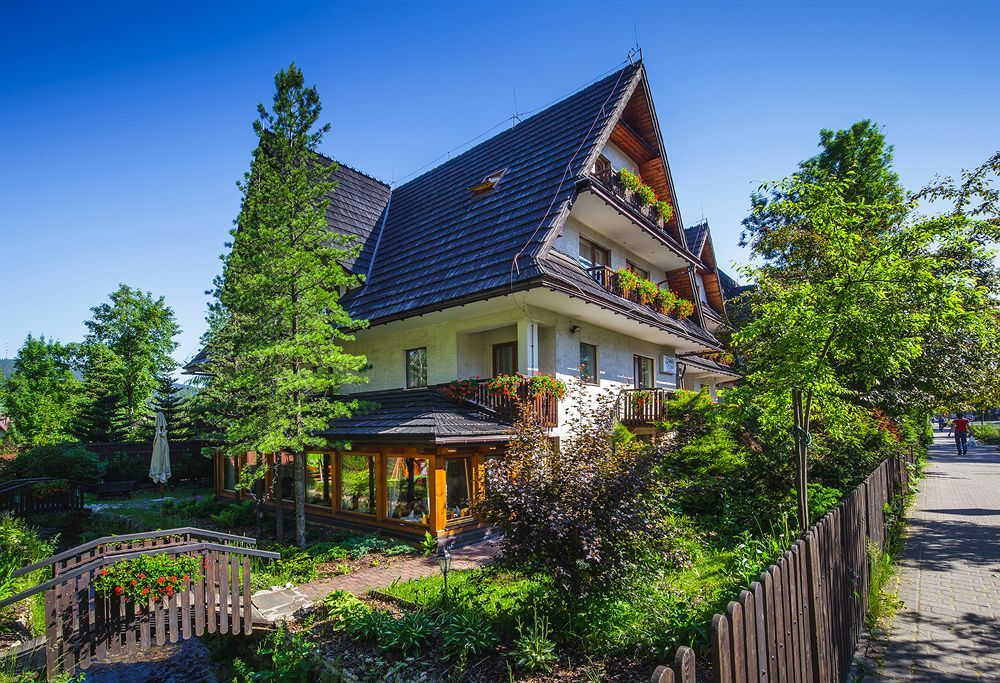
(368,625)
(466,633)
(290,658)
(411,633)
(822,499)
(236,515)
(70,461)
(343,608)
(987,433)
(19,545)
(588,511)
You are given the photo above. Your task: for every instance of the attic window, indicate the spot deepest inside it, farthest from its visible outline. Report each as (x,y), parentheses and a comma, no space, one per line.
(488,183)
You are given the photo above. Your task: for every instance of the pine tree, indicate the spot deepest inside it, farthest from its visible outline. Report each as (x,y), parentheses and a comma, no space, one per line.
(276,322)
(169,402)
(102,416)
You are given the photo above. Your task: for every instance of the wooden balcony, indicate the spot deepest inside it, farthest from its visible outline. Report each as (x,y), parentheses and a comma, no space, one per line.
(607,278)
(546,408)
(641,407)
(609,181)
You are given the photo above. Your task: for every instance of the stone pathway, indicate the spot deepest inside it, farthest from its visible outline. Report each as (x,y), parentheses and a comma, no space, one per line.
(278,604)
(949,627)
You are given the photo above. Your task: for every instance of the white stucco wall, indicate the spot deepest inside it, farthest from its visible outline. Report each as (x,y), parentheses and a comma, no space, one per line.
(618,158)
(462,348)
(568,242)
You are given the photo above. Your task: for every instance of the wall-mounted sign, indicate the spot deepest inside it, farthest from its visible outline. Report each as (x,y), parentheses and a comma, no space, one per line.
(668,364)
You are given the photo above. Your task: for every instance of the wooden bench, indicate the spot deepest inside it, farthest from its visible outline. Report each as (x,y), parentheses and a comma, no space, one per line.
(111,489)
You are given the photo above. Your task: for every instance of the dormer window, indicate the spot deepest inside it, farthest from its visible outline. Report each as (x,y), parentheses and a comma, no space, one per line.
(488,183)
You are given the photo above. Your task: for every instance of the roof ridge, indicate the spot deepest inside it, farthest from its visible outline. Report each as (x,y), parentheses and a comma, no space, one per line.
(534,114)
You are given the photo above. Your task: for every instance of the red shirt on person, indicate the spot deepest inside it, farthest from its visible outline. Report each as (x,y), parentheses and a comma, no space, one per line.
(961,424)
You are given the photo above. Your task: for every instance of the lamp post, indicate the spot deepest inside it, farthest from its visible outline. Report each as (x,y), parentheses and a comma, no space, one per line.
(444,561)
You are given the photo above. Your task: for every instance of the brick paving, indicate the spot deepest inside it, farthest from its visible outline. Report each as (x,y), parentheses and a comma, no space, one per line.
(273,605)
(949,627)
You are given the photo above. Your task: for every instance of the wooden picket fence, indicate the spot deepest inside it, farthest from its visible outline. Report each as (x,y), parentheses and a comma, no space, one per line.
(802,620)
(82,627)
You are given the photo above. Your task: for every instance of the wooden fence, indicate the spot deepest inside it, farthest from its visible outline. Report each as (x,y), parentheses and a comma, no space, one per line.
(22,497)
(802,620)
(82,627)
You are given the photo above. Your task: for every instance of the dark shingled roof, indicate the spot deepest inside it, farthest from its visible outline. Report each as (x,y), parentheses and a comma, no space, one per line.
(708,364)
(356,207)
(441,242)
(730,288)
(417,415)
(696,237)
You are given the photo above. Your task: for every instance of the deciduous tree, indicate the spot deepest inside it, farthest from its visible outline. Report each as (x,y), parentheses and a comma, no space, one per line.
(42,394)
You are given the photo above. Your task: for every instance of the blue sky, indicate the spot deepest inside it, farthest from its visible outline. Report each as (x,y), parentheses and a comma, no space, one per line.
(123,127)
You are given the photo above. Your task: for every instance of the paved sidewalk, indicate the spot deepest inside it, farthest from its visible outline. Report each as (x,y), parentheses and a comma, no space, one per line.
(281,604)
(949,627)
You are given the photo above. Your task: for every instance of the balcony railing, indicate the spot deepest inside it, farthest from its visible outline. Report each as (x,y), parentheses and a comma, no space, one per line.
(641,407)
(609,180)
(545,408)
(607,278)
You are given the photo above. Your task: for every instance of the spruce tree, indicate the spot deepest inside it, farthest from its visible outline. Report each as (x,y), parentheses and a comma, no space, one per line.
(102,416)
(275,358)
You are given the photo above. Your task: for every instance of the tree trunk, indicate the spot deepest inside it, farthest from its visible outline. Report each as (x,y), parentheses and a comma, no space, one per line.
(299,463)
(279,509)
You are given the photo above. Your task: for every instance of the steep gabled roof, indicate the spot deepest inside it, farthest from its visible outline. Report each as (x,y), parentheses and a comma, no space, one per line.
(696,236)
(443,242)
(356,208)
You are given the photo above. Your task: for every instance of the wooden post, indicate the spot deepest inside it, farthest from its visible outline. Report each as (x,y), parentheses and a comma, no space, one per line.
(721,664)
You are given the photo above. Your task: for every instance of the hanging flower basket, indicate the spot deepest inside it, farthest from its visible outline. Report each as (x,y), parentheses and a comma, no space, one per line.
(666,301)
(463,389)
(50,489)
(146,577)
(684,308)
(642,397)
(628,281)
(546,386)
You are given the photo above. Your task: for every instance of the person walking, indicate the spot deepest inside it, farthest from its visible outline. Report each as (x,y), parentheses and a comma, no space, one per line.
(961,428)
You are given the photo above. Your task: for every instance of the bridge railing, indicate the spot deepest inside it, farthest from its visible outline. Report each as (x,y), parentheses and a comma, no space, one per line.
(22,497)
(83,626)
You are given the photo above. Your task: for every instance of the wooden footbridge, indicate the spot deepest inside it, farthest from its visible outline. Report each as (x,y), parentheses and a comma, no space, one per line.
(82,627)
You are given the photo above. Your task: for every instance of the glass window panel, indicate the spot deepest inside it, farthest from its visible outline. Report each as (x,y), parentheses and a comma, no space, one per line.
(228,474)
(504,359)
(643,372)
(317,479)
(641,272)
(357,483)
(407,493)
(458,474)
(588,363)
(416,368)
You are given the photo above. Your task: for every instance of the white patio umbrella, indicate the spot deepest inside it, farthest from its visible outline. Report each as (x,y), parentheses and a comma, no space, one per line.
(159,465)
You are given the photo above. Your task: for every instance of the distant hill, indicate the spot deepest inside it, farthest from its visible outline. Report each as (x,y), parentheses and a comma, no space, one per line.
(6,366)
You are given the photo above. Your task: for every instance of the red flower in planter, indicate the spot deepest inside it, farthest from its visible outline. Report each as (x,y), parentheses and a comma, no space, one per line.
(104,572)
(145,591)
(162,579)
(170,590)
(173,579)
(135,582)
(119,590)
(184,578)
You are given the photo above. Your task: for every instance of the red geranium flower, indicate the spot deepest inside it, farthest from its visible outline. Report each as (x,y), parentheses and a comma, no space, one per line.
(104,572)
(145,590)
(119,590)
(134,582)
(161,579)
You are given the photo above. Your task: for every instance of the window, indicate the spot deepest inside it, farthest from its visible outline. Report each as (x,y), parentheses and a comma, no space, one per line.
(588,363)
(286,472)
(357,484)
(318,478)
(637,270)
(602,168)
(488,183)
(407,495)
(228,473)
(458,474)
(643,372)
(505,359)
(593,255)
(416,368)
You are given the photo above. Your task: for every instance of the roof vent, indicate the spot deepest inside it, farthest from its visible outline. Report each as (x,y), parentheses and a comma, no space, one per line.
(488,183)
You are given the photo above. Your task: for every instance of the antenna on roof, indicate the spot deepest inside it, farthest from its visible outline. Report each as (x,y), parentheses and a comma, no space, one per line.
(515,119)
